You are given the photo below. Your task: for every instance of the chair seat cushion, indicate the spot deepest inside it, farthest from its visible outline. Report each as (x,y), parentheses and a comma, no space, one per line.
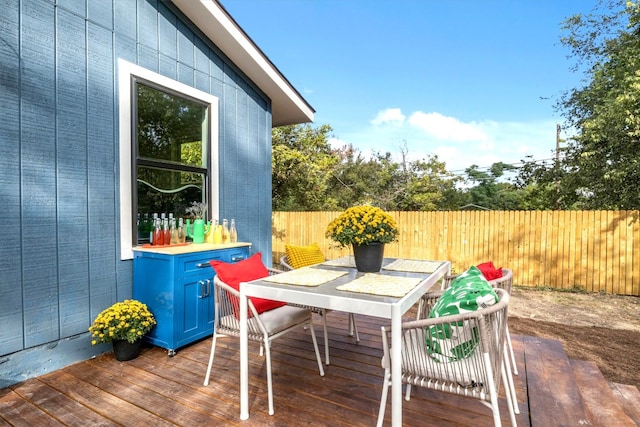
(449,342)
(246,270)
(274,320)
(302,256)
(284,317)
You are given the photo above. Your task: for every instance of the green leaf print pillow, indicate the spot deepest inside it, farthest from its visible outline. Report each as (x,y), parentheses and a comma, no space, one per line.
(468,292)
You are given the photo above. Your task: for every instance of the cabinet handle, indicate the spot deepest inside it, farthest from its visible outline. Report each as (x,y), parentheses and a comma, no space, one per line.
(237,258)
(203,265)
(208,288)
(202,291)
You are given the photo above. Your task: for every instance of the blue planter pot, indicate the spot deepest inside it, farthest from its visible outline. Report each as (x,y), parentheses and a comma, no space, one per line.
(369,257)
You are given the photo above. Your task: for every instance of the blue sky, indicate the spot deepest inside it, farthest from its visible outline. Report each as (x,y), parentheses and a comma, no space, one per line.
(471,81)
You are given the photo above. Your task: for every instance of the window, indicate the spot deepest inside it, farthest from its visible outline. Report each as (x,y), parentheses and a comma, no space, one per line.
(168,150)
(171,165)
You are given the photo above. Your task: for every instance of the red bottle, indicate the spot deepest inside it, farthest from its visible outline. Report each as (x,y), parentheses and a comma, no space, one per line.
(158,235)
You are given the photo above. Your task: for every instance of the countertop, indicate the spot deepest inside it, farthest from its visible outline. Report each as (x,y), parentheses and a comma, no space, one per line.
(189,248)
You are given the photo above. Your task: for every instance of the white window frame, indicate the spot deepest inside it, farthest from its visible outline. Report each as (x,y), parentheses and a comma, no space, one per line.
(126,71)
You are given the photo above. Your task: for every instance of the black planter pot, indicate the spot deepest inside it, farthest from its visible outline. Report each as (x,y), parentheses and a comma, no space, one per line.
(124,350)
(369,257)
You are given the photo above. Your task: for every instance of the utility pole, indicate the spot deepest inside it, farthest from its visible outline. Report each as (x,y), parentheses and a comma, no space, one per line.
(558,129)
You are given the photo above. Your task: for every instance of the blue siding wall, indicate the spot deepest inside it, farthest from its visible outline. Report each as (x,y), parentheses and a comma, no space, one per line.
(59,264)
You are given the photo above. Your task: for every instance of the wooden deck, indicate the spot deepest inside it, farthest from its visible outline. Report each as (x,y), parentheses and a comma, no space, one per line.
(157,390)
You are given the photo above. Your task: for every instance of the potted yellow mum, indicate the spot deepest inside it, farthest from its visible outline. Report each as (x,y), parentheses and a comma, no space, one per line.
(367,229)
(123,324)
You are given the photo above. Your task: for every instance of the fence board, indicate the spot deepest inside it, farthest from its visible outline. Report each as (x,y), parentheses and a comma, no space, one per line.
(635,260)
(592,250)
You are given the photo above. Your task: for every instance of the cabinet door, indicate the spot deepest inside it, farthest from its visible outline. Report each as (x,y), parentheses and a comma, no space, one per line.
(195,319)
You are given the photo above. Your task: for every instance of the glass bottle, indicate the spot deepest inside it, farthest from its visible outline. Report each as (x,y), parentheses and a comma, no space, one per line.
(209,236)
(182,234)
(146,228)
(233,233)
(173,230)
(158,235)
(166,232)
(217,233)
(225,231)
(152,227)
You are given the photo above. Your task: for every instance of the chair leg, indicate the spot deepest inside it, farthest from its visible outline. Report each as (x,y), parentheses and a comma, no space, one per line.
(511,384)
(315,346)
(383,398)
(353,328)
(213,350)
(513,357)
(509,396)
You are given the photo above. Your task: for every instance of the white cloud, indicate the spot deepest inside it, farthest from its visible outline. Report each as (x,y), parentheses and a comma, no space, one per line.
(336,143)
(457,143)
(446,128)
(391,116)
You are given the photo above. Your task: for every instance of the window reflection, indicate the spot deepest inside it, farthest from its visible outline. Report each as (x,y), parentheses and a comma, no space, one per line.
(171,153)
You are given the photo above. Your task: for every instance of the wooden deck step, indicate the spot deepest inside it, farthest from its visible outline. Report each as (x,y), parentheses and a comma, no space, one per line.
(554,397)
(602,407)
(629,397)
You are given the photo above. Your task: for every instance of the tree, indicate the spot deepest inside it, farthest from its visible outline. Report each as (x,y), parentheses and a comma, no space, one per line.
(309,175)
(489,192)
(302,161)
(601,165)
(426,186)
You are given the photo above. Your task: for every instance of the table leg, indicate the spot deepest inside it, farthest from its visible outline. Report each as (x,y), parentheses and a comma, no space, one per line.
(244,357)
(396,367)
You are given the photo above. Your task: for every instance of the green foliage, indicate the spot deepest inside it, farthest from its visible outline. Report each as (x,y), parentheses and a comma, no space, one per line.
(489,192)
(600,167)
(301,161)
(308,175)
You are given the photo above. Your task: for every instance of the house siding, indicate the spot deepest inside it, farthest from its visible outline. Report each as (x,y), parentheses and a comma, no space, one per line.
(60,264)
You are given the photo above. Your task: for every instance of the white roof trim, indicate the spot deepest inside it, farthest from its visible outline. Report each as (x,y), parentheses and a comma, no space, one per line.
(288,106)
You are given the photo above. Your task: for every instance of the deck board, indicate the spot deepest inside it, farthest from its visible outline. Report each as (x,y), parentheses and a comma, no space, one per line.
(158,390)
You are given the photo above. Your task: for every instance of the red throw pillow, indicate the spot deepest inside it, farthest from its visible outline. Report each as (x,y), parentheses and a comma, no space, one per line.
(246,270)
(489,271)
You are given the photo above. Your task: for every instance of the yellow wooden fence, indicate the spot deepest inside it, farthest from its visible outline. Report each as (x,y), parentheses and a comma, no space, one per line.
(592,250)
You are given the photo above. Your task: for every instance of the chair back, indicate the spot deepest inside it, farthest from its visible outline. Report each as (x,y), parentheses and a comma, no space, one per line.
(227,312)
(284,264)
(460,354)
(504,282)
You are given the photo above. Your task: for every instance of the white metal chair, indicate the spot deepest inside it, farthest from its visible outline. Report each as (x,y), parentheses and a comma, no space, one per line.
(263,328)
(476,374)
(353,329)
(505,282)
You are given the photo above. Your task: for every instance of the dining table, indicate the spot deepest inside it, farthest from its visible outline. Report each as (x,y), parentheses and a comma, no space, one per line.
(338,285)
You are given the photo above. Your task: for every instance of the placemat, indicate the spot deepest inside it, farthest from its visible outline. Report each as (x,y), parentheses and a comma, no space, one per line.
(380,284)
(305,276)
(345,261)
(413,265)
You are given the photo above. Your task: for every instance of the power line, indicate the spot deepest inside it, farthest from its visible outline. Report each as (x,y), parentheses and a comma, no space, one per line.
(462,172)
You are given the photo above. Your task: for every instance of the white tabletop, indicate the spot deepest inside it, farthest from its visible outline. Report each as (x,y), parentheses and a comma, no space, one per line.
(327,296)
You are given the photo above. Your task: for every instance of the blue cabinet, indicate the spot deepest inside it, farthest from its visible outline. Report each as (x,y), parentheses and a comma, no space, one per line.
(176,283)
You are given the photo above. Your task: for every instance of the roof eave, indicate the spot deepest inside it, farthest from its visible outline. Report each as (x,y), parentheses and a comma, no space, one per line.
(288,106)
